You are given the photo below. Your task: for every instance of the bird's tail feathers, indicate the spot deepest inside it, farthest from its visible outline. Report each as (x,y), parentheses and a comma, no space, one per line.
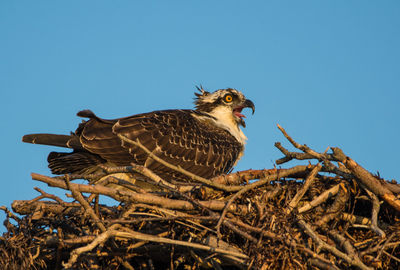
(74,162)
(68,141)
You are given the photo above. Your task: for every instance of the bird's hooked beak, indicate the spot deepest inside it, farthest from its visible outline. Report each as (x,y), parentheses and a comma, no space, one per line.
(238,111)
(249,104)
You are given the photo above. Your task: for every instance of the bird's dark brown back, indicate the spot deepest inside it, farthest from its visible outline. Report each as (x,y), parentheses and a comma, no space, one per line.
(173,135)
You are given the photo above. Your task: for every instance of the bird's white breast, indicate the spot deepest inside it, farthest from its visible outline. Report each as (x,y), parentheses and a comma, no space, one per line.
(223,118)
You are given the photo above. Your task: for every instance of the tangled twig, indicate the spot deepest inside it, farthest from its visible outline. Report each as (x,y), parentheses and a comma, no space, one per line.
(328,214)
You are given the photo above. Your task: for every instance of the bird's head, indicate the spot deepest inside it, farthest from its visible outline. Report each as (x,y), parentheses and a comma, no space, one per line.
(225,105)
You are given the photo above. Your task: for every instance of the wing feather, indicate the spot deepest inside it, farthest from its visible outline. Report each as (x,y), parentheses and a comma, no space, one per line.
(176,136)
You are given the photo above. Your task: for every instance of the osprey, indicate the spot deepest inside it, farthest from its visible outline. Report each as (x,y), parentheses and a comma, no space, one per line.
(206,141)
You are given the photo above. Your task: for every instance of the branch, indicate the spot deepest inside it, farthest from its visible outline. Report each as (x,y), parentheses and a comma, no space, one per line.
(127,196)
(367,179)
(299,195)
(324,196)
(321,244)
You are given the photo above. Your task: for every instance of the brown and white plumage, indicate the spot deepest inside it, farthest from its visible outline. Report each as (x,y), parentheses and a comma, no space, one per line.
(206,141)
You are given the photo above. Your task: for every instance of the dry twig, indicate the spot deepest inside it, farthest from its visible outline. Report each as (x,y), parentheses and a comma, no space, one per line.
(244,221)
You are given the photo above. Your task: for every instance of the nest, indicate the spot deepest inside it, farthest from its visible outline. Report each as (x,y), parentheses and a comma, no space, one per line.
(328,214)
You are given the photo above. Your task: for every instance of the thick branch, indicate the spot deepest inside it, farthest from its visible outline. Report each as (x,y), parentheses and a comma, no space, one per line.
(367,179)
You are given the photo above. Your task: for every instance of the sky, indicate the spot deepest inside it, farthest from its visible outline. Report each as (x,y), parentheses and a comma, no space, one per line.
(326,71)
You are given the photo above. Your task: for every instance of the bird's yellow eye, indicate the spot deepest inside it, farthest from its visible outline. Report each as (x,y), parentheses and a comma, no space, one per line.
(228,98)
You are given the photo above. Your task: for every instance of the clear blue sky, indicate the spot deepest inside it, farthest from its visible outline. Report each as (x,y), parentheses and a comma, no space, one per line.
(327,71)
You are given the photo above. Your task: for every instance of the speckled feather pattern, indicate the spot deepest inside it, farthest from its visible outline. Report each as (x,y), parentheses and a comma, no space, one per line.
(173,135)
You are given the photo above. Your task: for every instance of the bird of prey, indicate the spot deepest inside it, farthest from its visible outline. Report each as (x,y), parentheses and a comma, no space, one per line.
(206,141)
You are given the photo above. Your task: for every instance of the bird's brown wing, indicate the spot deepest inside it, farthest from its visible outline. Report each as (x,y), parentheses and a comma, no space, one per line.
(97,137)
(176,136)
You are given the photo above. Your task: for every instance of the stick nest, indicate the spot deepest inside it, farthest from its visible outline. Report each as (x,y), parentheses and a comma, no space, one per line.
(328,214)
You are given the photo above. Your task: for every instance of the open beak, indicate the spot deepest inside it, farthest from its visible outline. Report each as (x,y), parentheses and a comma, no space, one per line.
(238,111)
